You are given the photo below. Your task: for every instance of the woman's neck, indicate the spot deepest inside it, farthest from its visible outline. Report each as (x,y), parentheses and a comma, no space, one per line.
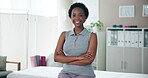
(77,30)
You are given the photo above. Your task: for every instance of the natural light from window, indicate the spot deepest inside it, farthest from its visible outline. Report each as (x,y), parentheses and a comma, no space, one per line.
(46,8)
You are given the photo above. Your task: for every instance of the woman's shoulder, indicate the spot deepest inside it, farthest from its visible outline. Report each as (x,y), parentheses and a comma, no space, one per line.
(93,34)
(64,33)
(67,32)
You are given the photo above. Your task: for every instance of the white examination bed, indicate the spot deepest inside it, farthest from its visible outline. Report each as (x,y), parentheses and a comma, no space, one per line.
(52,72)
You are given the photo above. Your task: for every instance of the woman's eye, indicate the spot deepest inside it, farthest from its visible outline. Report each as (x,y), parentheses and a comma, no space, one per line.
(81,15)
(74,15)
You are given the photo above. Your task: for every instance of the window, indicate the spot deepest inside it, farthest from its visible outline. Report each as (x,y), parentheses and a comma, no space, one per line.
(38,7)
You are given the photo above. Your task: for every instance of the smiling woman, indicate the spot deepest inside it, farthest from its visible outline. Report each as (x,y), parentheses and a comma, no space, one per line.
(76,48)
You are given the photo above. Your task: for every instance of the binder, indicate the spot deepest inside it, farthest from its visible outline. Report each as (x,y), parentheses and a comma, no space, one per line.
(146,39)
(120,38)
(108,38)
(140,39)
(127,39)
(116,38)
(134,38)
(112,38)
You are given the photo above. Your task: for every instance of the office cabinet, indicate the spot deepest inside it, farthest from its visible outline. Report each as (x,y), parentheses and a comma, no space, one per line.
(114,59)
(132,60)
(127,50)
(145,52)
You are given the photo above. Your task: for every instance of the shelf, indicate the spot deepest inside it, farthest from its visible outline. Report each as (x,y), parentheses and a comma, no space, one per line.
(127,50)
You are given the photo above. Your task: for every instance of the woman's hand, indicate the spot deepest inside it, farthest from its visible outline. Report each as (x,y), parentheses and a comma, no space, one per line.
(60,52)
(88,55)
(85,56)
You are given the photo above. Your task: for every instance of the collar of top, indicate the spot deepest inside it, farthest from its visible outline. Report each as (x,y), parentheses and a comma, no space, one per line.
(72,33)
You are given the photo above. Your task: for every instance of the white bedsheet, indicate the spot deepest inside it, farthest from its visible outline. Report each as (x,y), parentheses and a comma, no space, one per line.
(52,72)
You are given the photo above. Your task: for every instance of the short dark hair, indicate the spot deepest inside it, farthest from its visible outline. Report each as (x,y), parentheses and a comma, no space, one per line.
(80,5)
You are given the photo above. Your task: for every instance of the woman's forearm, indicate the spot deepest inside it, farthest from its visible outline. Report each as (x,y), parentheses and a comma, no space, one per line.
(82,62)
(84,59)
(88,60)
(62,58)
(66,59)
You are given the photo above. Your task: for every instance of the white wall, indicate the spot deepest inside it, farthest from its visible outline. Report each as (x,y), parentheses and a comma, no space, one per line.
(19,37)
(46,35)
(43,36)
(22,36)
(64,22)
(12,37)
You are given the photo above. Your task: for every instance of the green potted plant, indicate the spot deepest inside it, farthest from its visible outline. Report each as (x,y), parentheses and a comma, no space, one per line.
(97,26)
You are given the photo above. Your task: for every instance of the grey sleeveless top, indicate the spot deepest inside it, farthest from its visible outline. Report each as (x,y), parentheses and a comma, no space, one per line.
(76,45)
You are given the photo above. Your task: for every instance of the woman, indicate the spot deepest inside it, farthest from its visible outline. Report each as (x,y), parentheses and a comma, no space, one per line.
(76,48)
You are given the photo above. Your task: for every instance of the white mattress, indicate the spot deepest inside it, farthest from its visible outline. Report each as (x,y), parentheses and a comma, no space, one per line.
(52,72)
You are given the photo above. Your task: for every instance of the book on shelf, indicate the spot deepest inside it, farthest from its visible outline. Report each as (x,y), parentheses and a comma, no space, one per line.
(38,60)
(42,61)
(33,61)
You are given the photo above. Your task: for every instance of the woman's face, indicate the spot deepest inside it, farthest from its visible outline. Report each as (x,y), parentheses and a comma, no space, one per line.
(78,17)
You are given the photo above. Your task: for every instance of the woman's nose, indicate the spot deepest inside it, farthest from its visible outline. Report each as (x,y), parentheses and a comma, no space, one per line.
(77,17)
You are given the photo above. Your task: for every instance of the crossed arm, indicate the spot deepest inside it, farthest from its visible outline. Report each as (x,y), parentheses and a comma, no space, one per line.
(81,60)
